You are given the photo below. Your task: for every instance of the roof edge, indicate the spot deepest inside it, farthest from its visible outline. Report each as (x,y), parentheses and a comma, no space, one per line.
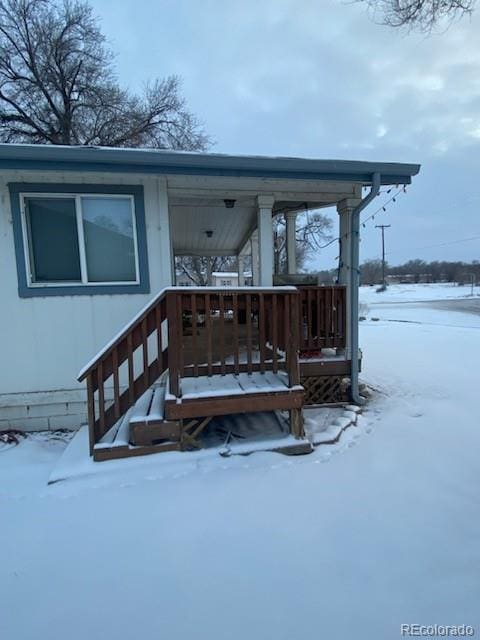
(153,161)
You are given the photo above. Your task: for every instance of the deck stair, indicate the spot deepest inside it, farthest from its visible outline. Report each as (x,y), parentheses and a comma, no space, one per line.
(240,433)
(149,426)
(193,354)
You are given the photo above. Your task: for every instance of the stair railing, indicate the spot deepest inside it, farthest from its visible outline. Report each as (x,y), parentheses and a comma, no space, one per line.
(192,332)
(139,346)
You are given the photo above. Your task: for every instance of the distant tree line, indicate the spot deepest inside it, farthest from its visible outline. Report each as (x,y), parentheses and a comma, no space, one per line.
(421,271)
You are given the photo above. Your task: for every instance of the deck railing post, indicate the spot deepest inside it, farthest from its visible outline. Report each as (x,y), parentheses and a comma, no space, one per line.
(293,346)
(91,412)
(173,343)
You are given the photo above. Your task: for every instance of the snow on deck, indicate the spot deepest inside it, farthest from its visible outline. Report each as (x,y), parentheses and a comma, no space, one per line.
(231,385)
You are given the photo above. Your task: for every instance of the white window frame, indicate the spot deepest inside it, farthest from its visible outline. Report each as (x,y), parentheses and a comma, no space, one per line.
(80,236)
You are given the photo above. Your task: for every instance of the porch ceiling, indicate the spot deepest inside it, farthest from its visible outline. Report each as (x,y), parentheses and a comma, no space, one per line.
(197,205)
(189,226)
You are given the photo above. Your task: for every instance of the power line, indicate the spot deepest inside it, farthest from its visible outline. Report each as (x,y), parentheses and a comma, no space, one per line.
(383,227)
(442,244)
(380,209)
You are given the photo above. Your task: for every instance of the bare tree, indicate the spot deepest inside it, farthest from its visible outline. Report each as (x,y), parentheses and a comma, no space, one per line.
(420,15)
(312,230)
(371,272)
(196,267)
(58,86)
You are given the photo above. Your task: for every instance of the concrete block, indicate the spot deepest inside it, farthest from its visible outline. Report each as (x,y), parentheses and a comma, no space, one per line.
(46,410)
(76,408)
(25,424)
(70,422)
(13,412)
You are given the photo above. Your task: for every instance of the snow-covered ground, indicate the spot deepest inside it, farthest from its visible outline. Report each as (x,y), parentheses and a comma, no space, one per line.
(417,292)
(349,542)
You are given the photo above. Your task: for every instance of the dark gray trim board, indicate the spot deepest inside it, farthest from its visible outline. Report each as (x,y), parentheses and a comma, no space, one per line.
(162,162)
(24,291)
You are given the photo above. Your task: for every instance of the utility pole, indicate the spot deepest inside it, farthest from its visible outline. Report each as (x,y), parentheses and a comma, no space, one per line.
(383,227)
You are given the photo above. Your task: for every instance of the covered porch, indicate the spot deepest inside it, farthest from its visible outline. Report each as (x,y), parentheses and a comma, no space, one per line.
(194,353)
(214,217)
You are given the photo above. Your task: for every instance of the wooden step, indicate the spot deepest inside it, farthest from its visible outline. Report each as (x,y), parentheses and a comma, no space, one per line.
(113,453)
(148,433)
(148,425)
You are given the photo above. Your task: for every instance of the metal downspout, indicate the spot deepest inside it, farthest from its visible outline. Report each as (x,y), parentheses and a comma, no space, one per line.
(354,283)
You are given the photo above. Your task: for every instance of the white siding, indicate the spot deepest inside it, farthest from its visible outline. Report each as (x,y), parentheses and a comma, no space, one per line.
(45,341)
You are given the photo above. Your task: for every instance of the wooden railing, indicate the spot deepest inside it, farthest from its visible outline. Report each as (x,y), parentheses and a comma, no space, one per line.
(192,332)
(322,317)
(208,331)
(132,362)
(225,331)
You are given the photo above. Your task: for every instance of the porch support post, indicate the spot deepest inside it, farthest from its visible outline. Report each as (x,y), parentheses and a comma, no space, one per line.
(290,219)
(254,249)
(344,209)
(241,275)
(265,240)
(209,271)
(165,250)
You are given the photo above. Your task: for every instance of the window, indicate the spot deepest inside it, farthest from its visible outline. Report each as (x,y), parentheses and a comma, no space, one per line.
(108,229)
(225,283)
(54,254)
(85,239)
(79,239)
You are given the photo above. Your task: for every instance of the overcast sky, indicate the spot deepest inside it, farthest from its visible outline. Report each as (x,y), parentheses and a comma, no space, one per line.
(320,79)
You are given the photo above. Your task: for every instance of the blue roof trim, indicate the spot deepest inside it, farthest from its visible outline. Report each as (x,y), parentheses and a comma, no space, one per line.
(59,158)
(24,291)
(364,178)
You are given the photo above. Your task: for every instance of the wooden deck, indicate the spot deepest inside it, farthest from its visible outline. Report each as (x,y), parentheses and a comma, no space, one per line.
(193,354)
(233,393)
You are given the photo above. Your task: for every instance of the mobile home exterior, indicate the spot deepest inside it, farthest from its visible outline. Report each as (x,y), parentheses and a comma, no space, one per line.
(88,236)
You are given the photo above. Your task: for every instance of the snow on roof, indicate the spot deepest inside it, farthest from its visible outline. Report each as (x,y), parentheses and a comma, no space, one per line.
(228,274)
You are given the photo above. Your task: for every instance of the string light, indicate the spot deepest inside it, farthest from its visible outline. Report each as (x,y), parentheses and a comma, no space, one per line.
(384,206)
(381,209)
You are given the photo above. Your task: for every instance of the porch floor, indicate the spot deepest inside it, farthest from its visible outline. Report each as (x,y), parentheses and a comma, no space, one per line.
(231,384)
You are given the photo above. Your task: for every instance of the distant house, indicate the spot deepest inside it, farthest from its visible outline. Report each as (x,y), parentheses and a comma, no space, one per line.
(230,279)
(88,239)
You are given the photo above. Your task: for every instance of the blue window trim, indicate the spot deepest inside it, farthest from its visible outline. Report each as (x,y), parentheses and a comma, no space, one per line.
(24,291)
